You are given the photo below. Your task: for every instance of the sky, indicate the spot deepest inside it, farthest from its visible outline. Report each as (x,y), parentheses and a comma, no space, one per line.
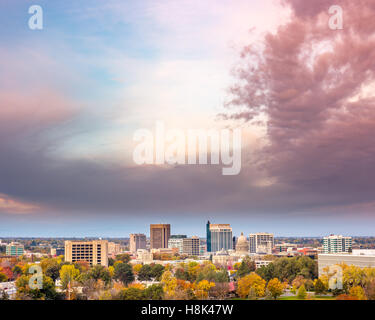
(73,94)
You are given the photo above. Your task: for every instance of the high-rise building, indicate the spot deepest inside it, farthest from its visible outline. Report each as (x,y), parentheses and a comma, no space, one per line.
(208,237)
(14,249)
(337,244)
(261,243)
(191,246)
(94,252)
(176,241)
(220,237)
(137,241)
(159,235)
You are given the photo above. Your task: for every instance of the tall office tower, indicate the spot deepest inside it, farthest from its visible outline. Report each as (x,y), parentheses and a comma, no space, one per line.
(208,237)
(261,243)
(159,235)
(176,241)
(137,241)
(337,244)
(94,252)
(221,237)
(191,246)
(14,249)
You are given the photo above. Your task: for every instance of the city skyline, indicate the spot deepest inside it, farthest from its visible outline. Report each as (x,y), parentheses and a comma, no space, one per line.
(73,94)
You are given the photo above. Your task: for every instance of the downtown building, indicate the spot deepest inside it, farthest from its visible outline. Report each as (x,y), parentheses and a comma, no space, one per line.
(137,241)
(14,249)
(261,243)
(94,252)
(159,235)
(191,246)
(219,237)
(337,244)
(177,241)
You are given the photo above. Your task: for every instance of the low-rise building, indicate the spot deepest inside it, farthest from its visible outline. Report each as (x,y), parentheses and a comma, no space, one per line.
(14,249)
(327,260)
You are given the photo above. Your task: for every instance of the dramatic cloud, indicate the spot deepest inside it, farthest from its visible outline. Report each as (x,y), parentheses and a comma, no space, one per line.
(315,89)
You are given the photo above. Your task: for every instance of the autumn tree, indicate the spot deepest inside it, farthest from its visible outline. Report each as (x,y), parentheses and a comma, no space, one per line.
(125,258)
(275,288)
(69,273)
(358,292)
(169,283)
(251,281)
(202,288)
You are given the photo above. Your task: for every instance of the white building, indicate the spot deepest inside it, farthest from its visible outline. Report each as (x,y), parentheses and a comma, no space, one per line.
(176,242)
(261,263)
(327,260)
(337,244)
(261,243)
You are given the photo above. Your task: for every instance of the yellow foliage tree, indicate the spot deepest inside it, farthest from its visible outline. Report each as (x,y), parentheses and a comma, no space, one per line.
(275,287)
(252,280)
(111,271)
(137,267)
(202,288)
(169,283)
(358,292)
(68,273)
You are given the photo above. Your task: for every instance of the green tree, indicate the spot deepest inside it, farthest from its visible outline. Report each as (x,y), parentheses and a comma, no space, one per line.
(157,271)
(246,267)
(154,292)
(124,273)
(125,258)
(17,271)
(53,271)
(47,291)
(3,277)
(145,273)
(132,294)
(99,272)
(301,293)
(319,287)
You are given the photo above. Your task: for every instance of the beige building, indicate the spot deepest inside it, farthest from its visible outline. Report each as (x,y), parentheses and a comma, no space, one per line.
(190,246)
(114,248)
(94,252)
(224,258)
(137,241)
(159,235)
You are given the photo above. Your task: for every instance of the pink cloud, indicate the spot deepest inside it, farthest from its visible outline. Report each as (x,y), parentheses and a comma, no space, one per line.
(310,82)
